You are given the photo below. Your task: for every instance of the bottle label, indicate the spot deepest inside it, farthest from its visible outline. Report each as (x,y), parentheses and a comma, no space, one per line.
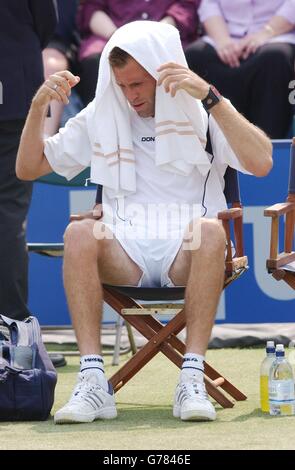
(281,391)
(264,393)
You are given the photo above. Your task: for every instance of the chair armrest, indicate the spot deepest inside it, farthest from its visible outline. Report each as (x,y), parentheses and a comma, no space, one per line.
(234,214)
(92,215)
(279,209)
(280,261)
(230,214)
(277,260)
(47,249)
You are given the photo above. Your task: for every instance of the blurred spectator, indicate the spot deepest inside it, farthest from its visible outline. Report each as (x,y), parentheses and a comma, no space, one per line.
(248,53)
(99,19)
(61,54)
(25,29)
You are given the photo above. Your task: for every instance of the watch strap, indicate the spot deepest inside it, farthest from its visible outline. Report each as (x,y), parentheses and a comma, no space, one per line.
(212,98)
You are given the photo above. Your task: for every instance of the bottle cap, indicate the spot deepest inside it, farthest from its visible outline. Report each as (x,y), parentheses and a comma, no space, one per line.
(270,346)
(280,350)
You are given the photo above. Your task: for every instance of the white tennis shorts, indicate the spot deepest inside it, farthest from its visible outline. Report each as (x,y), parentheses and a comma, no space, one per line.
(153,256)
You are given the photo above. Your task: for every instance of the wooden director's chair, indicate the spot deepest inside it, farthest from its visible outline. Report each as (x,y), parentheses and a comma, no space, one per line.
(278,263)
(163,337)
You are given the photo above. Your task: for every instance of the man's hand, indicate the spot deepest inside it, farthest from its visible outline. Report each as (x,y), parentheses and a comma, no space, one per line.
(176,77)
(56,87)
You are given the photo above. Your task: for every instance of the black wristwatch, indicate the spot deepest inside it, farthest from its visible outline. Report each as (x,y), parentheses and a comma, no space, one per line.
(212,98)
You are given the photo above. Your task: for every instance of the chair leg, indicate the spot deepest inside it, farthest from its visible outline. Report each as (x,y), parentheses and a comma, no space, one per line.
(119,326)
(174,349)
(162,338)
(142,357)
(209,370)
(131,338)
(128,370)
(288,277)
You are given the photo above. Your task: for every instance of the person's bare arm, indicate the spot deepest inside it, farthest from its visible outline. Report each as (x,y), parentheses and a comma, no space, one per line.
(31,163)
(102,25)
(249,143)
(251,146)
(168,20)
(276,26)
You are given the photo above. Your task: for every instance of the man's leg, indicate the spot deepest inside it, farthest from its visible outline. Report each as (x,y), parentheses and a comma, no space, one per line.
(202,271)
(89,262)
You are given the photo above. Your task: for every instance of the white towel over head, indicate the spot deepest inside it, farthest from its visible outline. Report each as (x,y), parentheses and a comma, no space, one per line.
(180,122)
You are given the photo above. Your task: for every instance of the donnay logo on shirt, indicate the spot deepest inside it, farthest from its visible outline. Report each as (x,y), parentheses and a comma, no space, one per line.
(148,139)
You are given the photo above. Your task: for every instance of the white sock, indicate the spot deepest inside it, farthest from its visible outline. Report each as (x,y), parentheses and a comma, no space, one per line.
(193,364)
(94,363)
(91,361)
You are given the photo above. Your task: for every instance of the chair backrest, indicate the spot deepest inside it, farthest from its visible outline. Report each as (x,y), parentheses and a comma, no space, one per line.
(232,187)
(53,178)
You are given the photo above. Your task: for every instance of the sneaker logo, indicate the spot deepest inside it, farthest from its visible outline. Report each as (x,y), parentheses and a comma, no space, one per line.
(92,359)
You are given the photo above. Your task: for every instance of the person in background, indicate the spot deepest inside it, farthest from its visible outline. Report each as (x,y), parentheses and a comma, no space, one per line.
(60,54)
(25,29)
(248,53)
(98,20)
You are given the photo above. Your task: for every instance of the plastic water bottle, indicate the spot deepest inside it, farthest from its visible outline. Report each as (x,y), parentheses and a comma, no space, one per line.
(281,385)
(264,375)
(291,356)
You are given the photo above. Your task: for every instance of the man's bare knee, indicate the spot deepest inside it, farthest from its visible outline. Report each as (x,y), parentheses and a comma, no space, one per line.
(78,237)
(212,235)
(87,237)
(204,235)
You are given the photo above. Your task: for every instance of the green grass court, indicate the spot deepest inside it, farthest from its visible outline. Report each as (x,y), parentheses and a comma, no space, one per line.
(145,418)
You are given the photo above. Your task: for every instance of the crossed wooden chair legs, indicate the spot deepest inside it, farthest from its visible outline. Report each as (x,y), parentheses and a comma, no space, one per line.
(162,339)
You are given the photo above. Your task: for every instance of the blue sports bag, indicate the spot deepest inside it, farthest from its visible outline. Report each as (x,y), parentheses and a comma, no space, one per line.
(27,375)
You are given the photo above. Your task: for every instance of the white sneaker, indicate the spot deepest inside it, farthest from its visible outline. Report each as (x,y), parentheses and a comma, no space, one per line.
(191,401)
(88,402)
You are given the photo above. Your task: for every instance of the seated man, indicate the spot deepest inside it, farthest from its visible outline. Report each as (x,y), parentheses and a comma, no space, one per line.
(144,136)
